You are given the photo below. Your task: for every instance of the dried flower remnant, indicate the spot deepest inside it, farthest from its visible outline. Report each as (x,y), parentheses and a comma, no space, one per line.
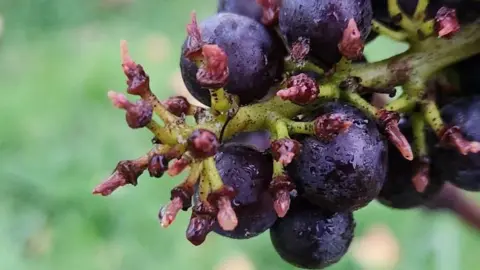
(446,22)
(351,45)
(301,89)
(328,126)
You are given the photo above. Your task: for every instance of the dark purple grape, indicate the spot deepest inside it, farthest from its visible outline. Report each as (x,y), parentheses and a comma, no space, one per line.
(468,11)
(255,59)
(323,23)
(253,219)
(249,8)
(258,140)
(463,79)
(311,238)
(346,173)
(380,12)
(399,191)
(468,72)
(461,170)
(249,172)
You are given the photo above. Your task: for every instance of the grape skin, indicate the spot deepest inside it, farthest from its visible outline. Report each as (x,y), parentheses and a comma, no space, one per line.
(255,60)
(323,23)
(249,172)
(398,191)
(461,170)
(469,75)
(346,173)
(312,238)
(253,219)
(248,8)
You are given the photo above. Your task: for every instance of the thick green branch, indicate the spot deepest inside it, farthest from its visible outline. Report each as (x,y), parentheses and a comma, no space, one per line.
(413,67)
(421,61)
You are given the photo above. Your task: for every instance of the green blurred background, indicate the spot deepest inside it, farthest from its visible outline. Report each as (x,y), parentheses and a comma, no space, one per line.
(60,136)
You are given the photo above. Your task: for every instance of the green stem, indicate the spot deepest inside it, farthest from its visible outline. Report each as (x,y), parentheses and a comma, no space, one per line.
(277,169)
(405,22)
(161,133)
(211,175)
(194,174)
(219,100)
(418,130)
(160,110)
(445,52)
(386,31)
(300,127)
(204,187)
(253,117)
(421,61)
(281,129)
(305,67)
(402,104)
(309,66)
(328,91)
(432,116)
(420,10)
(357,100)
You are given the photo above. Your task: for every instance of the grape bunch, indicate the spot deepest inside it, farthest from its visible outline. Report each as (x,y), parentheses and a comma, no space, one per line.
(289,140)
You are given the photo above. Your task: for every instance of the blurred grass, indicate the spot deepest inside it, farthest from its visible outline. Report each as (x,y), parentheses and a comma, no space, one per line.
(60,137)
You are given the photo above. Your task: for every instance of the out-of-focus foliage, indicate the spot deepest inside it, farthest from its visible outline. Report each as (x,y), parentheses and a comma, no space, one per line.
(59,137)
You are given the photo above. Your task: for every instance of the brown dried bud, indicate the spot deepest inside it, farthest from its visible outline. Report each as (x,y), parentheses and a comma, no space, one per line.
(214,71)
(126,172)
(300,49)
(222,198)
(280,188)
(168,213)
(157,166)
(139,115)
(224,191)
(119,100)
(389,121)
(328,126)
(180,199)
(193,48)
(452,136)
(351,45)
(421,177)
(179,165)
(137,80)
(226,217)
(281,202)
(184,192)
(177,105)
(203,143)
(301,89)
(446,22)
(284,150)
(201,223)
(271,9)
